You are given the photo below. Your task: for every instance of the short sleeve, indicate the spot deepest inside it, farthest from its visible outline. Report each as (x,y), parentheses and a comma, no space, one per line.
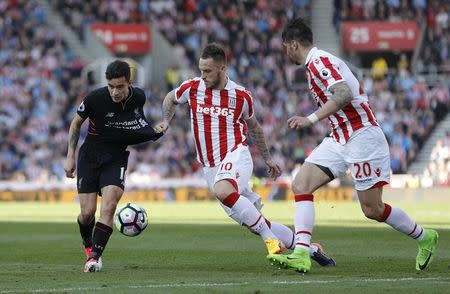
(182,92)
(84,109)
(326,71)
(247,111)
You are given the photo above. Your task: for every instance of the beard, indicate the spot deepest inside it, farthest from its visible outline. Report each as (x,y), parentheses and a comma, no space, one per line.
(294,61)
(213,84)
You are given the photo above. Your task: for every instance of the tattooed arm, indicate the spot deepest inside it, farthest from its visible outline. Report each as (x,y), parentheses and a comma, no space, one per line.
(169,106)
(341,96)
(74,136)
(257,133)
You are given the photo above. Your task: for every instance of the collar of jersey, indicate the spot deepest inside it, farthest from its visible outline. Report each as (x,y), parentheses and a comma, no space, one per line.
(129,94)
(228,84)
(310,54)
(128,98)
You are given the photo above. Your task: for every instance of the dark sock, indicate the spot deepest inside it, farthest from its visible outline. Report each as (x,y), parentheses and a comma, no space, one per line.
(101,237)
(86,232)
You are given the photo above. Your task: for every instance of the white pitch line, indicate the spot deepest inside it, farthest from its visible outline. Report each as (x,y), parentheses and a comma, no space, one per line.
(357,280)
(127,287)
(207,285)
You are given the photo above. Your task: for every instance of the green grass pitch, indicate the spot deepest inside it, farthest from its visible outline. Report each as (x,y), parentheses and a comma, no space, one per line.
(195,248)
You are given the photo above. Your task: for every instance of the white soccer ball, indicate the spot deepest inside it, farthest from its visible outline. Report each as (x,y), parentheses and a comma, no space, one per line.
(131,219)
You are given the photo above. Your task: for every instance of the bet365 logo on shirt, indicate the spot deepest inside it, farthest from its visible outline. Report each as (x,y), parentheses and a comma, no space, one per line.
(214,110)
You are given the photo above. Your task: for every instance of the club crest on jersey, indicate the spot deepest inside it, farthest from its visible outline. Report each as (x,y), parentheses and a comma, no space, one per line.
(325,73)
(232,103)
(109,114)
(136,112)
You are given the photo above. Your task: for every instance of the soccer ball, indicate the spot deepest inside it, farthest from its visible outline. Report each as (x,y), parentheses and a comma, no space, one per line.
(131,219)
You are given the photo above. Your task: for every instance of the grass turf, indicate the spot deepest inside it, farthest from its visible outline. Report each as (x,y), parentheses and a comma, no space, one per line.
(194,248)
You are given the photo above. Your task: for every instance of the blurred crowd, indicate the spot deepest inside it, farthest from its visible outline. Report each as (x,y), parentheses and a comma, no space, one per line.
(433,14)
(41,88)
(382,10)
(38,85)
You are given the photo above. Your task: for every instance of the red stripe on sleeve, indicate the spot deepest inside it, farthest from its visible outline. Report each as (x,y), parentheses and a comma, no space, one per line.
(249,100)
(183,88)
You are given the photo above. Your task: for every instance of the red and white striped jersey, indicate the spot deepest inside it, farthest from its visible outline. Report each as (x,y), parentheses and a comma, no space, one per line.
(324,70)
(217,117)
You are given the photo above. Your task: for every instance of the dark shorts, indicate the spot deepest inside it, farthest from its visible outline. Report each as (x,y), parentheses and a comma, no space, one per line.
(98,168)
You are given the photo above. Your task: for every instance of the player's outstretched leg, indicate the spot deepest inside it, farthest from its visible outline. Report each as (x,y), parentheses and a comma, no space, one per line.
(299,260)
(427,248)
(245,213)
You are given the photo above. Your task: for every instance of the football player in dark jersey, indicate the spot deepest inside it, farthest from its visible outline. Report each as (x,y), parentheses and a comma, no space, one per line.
(116,120)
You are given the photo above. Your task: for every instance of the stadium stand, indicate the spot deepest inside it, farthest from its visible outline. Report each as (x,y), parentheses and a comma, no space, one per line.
(47,77)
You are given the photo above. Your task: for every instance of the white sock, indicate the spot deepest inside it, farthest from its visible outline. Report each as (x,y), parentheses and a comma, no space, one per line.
(286,236)
(312,248)
(283,233)
(304,220)
(399,220)
(249,215)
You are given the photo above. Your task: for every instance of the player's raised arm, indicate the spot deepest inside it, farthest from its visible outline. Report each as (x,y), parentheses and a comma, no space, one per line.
(74,136)
(257,133)
(168,111)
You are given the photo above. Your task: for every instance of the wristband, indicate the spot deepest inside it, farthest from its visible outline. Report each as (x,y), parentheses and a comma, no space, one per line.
(313,118)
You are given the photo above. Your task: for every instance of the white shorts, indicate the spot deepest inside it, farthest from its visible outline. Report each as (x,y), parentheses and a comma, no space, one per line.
(237,167)
(366,153)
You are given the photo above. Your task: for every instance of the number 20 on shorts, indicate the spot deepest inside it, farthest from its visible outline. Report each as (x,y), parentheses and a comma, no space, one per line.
(362,169)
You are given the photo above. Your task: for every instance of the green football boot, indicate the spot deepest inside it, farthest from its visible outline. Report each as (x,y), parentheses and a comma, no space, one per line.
(427,247)
(299,260)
